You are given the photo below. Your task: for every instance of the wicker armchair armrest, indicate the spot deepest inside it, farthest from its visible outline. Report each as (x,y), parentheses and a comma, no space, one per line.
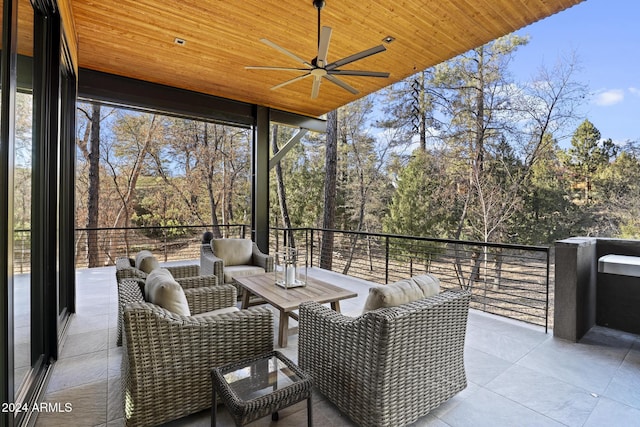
(211,298)
(262,260)
(167,358)
(209,263)
(179,271)
(197,281)
(129,290)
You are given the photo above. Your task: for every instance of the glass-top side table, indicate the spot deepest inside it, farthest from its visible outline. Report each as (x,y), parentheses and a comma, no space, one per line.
(257,387)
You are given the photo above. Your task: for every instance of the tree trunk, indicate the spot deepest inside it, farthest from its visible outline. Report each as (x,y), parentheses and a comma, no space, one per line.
(330,188)
(93,202)
(282,195)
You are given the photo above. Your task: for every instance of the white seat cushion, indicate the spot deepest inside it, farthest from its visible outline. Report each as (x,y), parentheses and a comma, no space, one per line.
(241,270)
(233,251)
(402,292)
(161,289)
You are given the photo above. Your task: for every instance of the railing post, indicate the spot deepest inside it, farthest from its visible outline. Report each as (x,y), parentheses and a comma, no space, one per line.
(312,230)
(386,259)
(546,306)
(164,236)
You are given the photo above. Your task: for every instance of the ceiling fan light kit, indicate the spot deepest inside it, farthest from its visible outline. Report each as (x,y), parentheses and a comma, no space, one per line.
(318,68)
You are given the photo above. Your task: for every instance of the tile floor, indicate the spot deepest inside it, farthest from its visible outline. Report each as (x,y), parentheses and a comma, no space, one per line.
(517,374)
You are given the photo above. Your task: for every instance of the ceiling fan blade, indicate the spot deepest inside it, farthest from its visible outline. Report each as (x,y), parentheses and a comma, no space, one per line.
(293,80)
(355,57)
(315,89)
(342,84)
(358,73)
(257,67)
(323,46)
(285,51)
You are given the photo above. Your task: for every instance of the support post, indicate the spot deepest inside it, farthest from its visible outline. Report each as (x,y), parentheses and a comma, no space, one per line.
(575,287)
(260,180)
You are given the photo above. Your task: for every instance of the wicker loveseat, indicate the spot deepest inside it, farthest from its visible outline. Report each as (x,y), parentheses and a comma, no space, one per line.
(167,358)
(389,366)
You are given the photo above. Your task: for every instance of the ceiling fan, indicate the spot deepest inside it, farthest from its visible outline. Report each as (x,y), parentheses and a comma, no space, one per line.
(318,68)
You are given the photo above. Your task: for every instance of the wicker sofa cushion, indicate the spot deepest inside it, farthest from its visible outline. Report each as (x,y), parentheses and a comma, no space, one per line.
(402,292)
(233,251)
(145,261)
(162,289)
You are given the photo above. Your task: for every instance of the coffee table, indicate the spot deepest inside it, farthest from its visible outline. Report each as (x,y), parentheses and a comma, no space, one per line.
(259,386)
(288,300)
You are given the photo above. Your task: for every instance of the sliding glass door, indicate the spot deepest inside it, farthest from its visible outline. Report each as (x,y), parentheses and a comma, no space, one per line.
(37,276)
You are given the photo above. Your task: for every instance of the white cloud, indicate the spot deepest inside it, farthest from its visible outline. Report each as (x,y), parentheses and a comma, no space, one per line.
(609,97)
(634,91)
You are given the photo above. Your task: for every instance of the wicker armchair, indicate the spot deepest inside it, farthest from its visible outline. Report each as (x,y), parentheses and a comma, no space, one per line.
(128,293)
(226,265)
(167,358)
(389,366)
(187,275)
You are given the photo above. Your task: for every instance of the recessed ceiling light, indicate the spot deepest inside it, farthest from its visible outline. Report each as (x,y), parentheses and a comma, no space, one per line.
(388,39)
(179,41)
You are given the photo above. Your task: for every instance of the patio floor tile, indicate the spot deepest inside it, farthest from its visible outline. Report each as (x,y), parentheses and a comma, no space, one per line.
(517,375)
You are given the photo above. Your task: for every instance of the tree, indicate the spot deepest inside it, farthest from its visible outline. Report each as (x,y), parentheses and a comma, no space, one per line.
(547,213)
(619,191)
(589,153)
(281,190)
(329,217)
(473,94)
(421,205)
(362,183)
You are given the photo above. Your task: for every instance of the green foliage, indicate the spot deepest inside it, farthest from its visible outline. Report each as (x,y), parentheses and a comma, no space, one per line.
(619,194)
(588,154)
(417,207)
(547,214)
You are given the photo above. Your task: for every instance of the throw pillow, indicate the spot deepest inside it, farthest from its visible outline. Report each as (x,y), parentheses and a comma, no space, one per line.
(162,289)
(429,284)
(233,251)
(148,264)
(140,256)
(401,292)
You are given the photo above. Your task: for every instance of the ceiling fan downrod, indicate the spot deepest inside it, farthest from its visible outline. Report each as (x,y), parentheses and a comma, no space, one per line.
(318,4)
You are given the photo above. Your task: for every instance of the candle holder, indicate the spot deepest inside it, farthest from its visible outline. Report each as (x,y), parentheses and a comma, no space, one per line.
(287,272)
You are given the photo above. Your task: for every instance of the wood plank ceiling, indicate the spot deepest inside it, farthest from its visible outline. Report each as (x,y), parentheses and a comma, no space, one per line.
(135,38)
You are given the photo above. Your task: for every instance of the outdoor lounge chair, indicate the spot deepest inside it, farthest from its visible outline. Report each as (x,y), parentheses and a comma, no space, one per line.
(226,258)
(167,357)
(188,276)
(389,366)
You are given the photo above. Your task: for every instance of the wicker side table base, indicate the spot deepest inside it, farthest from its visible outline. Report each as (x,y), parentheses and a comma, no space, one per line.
(257,387)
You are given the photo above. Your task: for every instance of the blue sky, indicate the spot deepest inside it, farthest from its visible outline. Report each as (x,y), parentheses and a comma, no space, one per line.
(605,37)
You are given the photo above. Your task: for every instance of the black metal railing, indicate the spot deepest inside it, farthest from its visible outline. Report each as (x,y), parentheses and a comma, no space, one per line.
(505,279)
